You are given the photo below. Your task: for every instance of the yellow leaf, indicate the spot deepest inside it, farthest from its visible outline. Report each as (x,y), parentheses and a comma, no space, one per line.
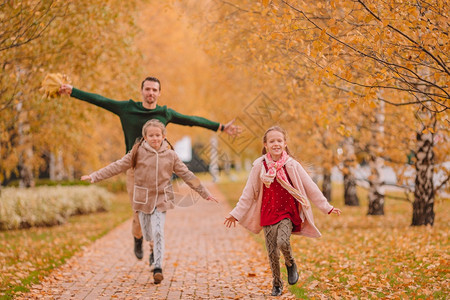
(334,30)
(390,50)
(265,3)
(333,4)
(341,130)
(276,35)
(428,130)
(51,84)
(385,23)
(368,18)
(323,34)
(288,44)
(413,11)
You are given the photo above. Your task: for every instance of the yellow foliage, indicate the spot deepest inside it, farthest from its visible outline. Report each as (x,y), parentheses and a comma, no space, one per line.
(428,130)
(51,84)
(64,36)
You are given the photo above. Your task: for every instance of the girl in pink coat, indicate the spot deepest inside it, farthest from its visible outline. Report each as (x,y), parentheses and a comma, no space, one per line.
(277,199)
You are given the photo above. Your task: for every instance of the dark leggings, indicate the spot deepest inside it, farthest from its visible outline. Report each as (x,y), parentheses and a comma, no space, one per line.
(278,238)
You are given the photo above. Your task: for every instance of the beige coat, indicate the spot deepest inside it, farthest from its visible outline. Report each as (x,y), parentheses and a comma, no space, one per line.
(152,184)
(248,209)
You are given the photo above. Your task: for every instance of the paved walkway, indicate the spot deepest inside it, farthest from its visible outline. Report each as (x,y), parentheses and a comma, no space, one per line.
(203,260)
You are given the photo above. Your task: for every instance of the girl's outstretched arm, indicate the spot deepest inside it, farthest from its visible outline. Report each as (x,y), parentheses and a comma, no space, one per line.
(112,169)
(335,211)
(182,171)
(250,192)
(230,220)
(87,178)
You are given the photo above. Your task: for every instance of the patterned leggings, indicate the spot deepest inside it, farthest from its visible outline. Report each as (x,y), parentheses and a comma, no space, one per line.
(153,230)
(277,238)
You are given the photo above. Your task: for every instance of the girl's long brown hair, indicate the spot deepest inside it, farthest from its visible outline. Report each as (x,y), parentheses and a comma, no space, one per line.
(149,123)
(279,129)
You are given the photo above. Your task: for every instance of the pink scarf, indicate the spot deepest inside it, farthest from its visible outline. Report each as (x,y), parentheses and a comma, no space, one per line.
(275,170)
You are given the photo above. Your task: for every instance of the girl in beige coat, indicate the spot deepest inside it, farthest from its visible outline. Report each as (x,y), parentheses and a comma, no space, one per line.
(276,199)
(153,163)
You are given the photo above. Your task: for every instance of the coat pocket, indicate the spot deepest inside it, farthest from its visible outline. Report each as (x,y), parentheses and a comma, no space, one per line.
(140,194)
(169,195)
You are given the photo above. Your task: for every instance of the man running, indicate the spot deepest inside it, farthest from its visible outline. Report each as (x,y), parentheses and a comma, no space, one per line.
(133,116)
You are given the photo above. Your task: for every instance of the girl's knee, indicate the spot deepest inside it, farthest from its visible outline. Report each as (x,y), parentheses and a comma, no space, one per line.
(283,244)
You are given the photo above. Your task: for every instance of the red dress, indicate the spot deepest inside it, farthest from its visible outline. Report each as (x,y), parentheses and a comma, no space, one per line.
(277,204)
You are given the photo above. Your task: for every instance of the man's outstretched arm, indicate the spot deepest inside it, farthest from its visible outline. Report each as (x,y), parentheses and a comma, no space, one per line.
(177,118)
(231,129)
(98,100)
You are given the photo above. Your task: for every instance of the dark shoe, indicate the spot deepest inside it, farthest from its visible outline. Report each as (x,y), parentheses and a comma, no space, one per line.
(138,248)
(292,274)
(151,259)
(157,275)
(277,291)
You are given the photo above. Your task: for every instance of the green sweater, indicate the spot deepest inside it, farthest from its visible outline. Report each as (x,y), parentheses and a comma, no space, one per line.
(133,115)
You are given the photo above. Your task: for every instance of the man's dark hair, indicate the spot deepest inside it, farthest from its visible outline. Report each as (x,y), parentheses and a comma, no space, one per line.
(154,79)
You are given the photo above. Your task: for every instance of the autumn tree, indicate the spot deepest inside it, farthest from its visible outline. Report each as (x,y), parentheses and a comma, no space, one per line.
(51,36)
(407,47)
(395,53)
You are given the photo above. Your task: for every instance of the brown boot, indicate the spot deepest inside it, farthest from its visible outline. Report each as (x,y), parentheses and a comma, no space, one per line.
(277,291)
(157,275)
(138,248)
(292,273)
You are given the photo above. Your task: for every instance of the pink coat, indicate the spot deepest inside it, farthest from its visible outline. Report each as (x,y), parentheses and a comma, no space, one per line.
(248,209)
(152,177)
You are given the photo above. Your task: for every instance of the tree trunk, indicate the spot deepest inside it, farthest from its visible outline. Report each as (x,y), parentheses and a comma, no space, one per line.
(26,153)
(326,185)
(423,206)
(350,197)
(376,163)
(56,167)
(25,170)
(214,161)
(376,192)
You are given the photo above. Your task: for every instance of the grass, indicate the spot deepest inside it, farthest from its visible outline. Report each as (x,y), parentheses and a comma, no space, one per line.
(369,257)
(27,255)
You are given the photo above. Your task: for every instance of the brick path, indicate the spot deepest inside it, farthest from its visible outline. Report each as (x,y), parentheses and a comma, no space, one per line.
(203,260)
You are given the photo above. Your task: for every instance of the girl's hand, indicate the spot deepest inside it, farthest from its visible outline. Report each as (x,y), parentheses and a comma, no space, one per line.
(87,178)
(65,89)
(211,198)
(230,220)
(336,211)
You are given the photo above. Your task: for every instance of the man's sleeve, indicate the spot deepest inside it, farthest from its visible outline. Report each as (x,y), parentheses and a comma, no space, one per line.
(177,118)
(112,105)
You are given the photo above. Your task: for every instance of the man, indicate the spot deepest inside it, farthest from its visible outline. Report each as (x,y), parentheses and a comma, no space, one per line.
(133,116)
